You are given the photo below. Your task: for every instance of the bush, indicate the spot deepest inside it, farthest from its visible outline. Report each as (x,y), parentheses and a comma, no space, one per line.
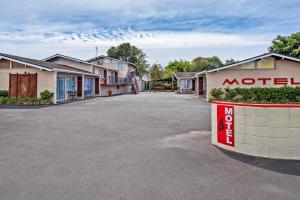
(258,95)
(217,93)
(46,98)
(46,95)
(3,93)
(21,101)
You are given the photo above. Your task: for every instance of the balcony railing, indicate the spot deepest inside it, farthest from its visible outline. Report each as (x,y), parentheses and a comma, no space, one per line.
(112,80)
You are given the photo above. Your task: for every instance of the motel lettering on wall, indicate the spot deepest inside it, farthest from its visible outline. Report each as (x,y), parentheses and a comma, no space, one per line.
(262,80)
(225,126)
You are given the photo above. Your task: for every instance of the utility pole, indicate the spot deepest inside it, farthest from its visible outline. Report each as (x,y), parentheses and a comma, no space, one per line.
(97,51)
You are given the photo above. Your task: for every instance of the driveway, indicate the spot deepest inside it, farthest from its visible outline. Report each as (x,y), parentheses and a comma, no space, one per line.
(151,146)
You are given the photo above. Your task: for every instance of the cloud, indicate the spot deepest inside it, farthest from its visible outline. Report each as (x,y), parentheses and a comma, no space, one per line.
(73,27)
(60,33)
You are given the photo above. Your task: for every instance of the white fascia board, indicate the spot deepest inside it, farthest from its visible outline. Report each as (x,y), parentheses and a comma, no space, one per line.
(73,72)
(242,62)
(26,63)
(286,57)
(95,58)
(256,58)
(175,75)
(201,73)
(70,58)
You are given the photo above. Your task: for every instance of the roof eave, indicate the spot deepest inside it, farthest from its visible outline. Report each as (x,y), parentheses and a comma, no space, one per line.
(73,59)
(74,72)
(27,64)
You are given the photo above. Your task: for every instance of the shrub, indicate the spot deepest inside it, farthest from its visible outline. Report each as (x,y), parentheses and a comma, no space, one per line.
(230,94)
(21,101)
(217,93)
(258,95)
(46,96)
(3,93)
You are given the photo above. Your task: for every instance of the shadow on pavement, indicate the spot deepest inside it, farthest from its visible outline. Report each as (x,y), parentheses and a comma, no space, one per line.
(290,167)
(23,106)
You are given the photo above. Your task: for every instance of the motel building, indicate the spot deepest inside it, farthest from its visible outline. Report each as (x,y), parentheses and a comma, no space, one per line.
(262,130)
(25,77)
(69,79)
(267,70)
(115,75)
(118,76)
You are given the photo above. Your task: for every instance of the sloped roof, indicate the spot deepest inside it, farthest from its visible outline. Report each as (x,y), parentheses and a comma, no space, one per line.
(102,56)
(254,59)
(182,75)
(48,66)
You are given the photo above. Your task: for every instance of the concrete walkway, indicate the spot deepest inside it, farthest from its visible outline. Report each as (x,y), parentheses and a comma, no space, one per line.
(149,146)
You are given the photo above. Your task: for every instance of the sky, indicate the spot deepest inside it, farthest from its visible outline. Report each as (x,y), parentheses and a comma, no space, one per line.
(166,30)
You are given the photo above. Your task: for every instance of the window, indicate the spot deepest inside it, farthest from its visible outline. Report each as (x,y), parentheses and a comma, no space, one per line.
(250,65)
(111,77)
(60,88)
(88,86)
(93,70)
(185,84)
(266,63)
(121,66)
(101,74)
(65,84)
(107,60)
(70,84)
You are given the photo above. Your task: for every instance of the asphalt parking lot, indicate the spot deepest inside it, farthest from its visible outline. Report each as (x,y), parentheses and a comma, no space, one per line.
(151,146)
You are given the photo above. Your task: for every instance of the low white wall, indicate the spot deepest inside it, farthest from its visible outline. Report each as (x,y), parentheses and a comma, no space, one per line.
(272,131)
(115,91)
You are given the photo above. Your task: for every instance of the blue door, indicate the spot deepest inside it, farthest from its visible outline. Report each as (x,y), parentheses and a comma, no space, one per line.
(60,88)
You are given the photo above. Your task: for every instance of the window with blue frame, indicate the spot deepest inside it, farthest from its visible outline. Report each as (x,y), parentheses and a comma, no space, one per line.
(111,77)
(64,84)
(88,86)
(60,88)
(70,84)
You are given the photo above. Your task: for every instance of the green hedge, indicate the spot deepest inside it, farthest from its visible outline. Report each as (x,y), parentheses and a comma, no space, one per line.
(257,95)
(46,98)
(3,93)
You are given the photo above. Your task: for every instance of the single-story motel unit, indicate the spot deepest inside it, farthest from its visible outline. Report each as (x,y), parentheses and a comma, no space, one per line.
(267,70)
(256,129)
(68,78)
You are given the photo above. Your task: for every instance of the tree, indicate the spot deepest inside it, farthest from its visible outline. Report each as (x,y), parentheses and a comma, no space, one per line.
(201,63)
(176,65)
(156,72)
(130,53)
(230,61)
(289,45)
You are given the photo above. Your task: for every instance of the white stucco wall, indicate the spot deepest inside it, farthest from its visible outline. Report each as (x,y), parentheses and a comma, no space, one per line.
(115,91)
(45,79)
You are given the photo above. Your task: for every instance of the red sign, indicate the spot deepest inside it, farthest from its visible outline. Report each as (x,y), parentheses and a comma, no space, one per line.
(225,126)
(263,81)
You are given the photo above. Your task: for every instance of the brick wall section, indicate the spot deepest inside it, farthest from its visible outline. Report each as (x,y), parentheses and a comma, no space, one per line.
(265,132)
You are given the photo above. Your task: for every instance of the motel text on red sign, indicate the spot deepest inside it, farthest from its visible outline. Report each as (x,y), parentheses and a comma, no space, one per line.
(263,81)
(225,126)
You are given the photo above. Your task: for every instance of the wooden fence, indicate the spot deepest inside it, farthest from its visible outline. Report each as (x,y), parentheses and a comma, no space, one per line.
(23,85)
